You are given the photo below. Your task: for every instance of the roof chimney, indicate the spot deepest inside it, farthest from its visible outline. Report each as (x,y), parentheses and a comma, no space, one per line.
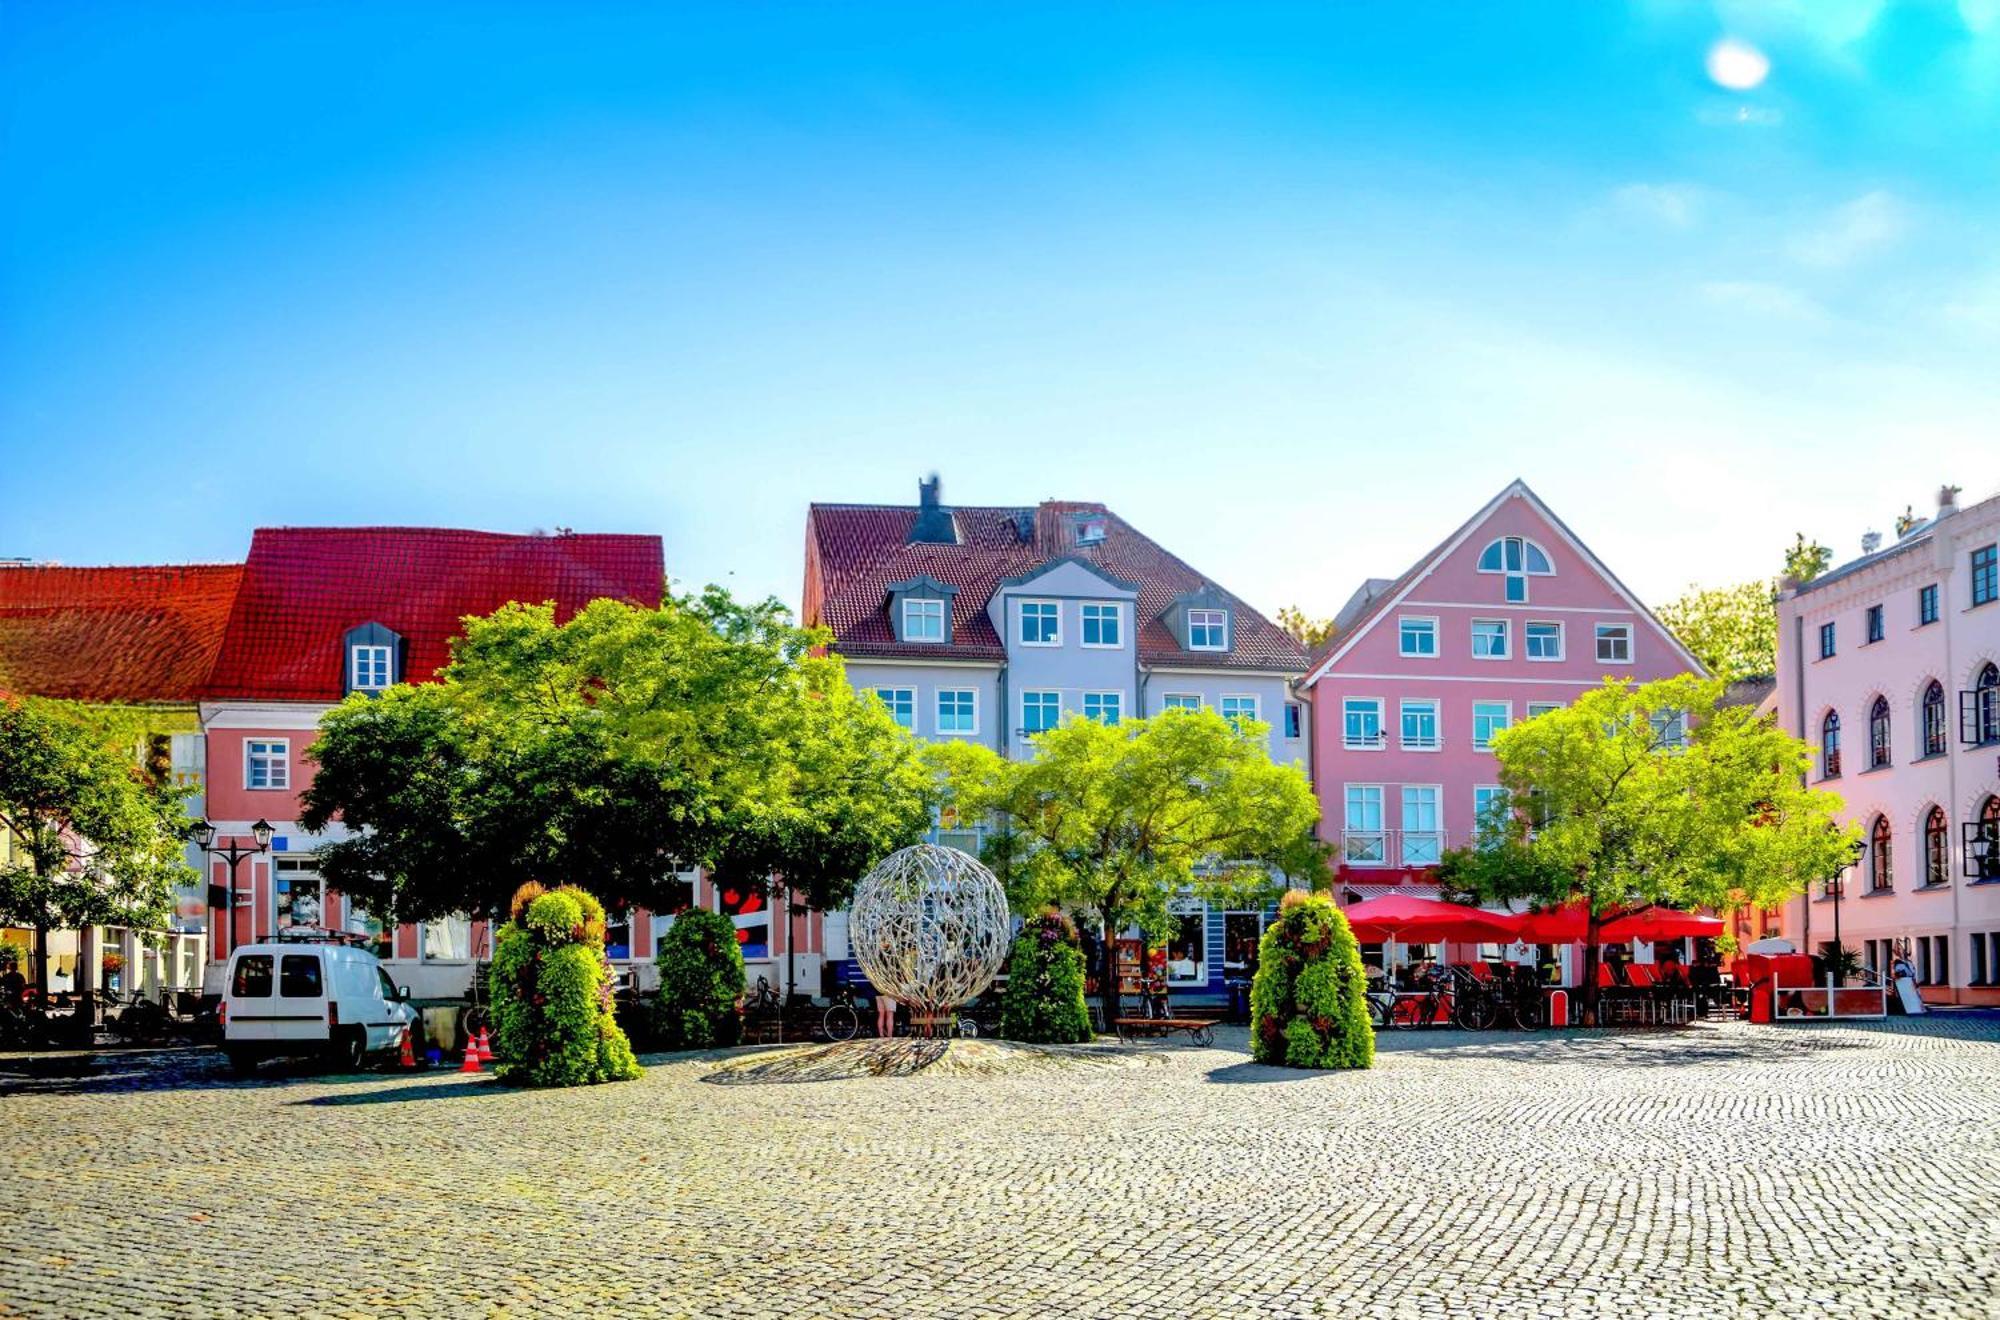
(1870,542)
(934,522)
(1947,500)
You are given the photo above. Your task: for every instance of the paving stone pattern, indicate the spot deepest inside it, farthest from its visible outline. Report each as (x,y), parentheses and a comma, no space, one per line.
(1851,1170)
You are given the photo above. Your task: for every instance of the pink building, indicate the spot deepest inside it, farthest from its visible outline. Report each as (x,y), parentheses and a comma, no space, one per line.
(1510,616)
(1890,666)
(325,612)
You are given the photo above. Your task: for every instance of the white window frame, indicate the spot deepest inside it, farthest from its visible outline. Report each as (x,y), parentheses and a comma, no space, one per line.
(1528,641)
(1535,708)
(1379,831)
(294,869)
(1021,622)
(1205,619)
(1487,746)
(1117,700)
(1506,640)
(1256,706)
(930,611)
(1479,808)
(372,652)
(1380,742)
(1039,692)
(1436,707)
(1598,636)
(883,695)
(1104,609)
(278,761)
(423,940)
(1437,813)
(1404,651)
(937,713)
(1167,700)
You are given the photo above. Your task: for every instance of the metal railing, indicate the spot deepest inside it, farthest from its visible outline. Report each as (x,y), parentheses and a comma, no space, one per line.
(1392,847)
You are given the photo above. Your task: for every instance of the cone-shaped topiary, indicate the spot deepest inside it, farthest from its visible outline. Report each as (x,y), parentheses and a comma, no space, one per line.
(701,978)
(1044,999)
(552,994)
(1309,1005)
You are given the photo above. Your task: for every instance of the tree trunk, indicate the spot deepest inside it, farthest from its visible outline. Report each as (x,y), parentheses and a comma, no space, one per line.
(1107,985)
(1590,960)
(42,959)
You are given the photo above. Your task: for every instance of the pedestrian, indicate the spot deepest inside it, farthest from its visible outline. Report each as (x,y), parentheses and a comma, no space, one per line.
(885,1015)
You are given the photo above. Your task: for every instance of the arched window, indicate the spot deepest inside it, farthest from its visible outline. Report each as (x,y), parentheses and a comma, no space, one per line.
(1983,725)
(1881,874)
(1982,842)
(1934,734)
(1937,848)
(1829,746)
(1518,559)
(1878,734)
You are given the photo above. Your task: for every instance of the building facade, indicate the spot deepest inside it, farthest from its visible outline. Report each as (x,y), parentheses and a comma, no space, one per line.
(993,624)
(1890,667)
(1510,616)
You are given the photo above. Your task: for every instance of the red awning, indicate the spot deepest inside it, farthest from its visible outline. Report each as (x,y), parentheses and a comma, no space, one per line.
(1659,923)
(1568,924)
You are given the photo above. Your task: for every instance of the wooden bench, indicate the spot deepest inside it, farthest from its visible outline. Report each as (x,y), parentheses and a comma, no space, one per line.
(1199,1030)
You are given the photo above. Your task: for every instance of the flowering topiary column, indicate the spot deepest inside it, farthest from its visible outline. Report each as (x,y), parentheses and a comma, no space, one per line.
(1309,1004)
(552,994)
(701,978)
(1044,999)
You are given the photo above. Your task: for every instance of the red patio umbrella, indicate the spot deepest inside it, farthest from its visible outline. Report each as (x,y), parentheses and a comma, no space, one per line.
(1398,917)
(1568,924)
(1659,923)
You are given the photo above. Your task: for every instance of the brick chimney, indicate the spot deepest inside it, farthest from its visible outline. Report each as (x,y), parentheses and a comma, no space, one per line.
(1947,500)
(934,523)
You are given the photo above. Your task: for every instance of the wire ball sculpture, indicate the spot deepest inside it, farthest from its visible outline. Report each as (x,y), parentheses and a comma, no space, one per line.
(930,926)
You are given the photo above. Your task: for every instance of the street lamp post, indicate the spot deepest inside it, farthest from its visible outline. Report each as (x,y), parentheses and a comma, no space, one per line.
(1833,962)
(233,853)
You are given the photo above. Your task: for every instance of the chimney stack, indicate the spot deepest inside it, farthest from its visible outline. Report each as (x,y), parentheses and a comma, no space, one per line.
(1947,500)
(934,523)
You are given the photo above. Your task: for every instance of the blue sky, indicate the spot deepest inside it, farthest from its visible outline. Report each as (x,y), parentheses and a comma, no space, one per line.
(1293,288)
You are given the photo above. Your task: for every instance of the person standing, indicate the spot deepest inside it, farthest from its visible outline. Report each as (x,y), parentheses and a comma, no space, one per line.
(885,1015)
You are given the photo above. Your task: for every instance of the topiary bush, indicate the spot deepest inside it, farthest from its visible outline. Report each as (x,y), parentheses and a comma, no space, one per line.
(552,994)
(701,978)
(1044,998)
(1308,1005)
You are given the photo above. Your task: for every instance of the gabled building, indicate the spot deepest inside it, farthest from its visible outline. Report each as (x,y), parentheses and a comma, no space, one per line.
(1508,617)
(994,623)
(142,639)
(1889,665)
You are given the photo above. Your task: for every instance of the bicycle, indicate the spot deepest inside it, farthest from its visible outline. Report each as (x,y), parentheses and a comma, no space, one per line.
(1419,1008)
(841,1020)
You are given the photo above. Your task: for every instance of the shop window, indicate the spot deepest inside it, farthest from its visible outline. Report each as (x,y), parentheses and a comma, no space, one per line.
(1187,947)
(449,940)
(750,907)
(1241,934)
(300,894)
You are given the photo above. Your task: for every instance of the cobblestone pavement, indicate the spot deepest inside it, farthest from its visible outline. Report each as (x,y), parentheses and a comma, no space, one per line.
(1712,1171)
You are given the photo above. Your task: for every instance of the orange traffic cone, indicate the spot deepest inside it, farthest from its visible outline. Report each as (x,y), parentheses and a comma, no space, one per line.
(408,1061)
(471,1064)
(485,1047)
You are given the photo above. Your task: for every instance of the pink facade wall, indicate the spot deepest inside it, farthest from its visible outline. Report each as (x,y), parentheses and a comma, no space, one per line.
(1911,907)
(1577,596)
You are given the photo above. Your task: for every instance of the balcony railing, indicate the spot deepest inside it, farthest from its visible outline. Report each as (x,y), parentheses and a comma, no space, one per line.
(1365,742)
(1392,847)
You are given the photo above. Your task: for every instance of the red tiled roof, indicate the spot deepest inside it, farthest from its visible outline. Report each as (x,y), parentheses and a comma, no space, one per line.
(305,587)
(854,552)
(142,635)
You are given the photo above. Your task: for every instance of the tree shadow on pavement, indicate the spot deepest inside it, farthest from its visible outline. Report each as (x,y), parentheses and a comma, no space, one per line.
(439,1090)
(195,1068)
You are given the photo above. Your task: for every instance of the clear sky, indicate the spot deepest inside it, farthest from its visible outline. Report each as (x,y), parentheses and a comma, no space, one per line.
(1294,289)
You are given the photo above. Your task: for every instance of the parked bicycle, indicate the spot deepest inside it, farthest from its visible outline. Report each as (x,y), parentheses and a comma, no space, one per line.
(841,1019)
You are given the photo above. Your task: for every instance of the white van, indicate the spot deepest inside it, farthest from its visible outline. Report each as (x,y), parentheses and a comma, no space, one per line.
(324,999)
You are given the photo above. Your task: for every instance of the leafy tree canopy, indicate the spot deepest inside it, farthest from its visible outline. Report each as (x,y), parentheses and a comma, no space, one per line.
(1806,560)
(1305,631)
(1114,820)
(614,751)
(96,839)
(1733,631)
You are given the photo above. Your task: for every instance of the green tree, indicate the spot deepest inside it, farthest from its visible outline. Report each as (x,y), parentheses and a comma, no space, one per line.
(701,978)
(1309,1001)
(1652,794)
(617,750)
(1305,630)
(1044,999)
(552,994)
(1733,631)
(1806,560)
(1114,820)
(96,839)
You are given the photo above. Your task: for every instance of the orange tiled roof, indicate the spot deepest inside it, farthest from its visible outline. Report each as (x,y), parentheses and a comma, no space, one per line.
(143,635)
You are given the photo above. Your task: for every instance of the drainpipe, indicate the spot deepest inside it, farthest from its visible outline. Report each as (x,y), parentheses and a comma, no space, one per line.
(1005,720)
(1942,543)
(1799,701)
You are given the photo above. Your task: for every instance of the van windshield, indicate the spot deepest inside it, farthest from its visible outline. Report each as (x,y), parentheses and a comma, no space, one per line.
(298,976)
(253,977)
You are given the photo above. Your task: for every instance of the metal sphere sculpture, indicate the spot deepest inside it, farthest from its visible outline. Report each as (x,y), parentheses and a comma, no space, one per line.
(929,926)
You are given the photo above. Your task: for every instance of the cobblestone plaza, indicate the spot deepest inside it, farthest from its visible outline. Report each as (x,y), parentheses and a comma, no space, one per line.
(1712,1171)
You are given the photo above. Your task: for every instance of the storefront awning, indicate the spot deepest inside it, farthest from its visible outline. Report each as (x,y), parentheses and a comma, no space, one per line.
(1362,893)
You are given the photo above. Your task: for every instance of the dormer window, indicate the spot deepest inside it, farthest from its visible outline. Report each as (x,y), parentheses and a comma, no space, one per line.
(371,659)
(1090,529)
(1208,630)
(923,620)
(369,667)
(1517,559)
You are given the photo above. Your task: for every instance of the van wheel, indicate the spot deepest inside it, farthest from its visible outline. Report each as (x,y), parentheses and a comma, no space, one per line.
(241,1062)
(350,1049)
